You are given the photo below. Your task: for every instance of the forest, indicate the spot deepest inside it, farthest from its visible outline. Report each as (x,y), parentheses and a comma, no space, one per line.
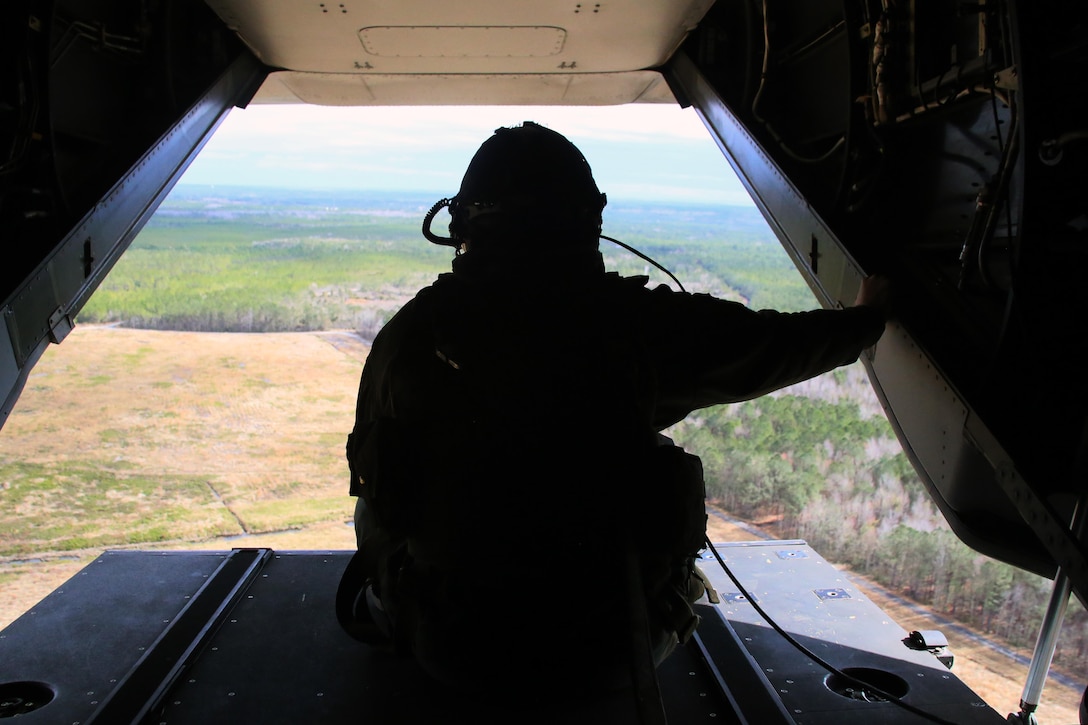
(810,464)
(292,261)
(817,461)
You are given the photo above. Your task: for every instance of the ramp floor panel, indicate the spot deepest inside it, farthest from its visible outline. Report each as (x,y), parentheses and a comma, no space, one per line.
(821,610)
(250,636)
(152,637)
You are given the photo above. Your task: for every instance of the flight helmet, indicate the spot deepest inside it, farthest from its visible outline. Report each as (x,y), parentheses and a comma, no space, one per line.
(529,184)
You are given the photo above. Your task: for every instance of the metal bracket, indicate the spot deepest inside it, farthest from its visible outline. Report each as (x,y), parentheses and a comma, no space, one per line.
(60,324)
(932,641)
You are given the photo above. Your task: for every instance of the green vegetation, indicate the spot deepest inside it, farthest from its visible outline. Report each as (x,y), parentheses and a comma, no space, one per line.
(824,473)
(726,251)
(288,261)
(772,455)
(251,264)
(63,507)
(291,513)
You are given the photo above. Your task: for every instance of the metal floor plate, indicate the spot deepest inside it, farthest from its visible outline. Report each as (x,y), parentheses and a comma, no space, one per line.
(820,608)
(249,636)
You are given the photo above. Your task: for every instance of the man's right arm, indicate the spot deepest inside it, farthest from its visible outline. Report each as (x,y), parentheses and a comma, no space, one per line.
(714,351)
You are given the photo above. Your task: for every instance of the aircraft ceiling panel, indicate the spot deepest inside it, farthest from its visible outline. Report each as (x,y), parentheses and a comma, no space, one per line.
(583,89)
(459,42)
(480,36)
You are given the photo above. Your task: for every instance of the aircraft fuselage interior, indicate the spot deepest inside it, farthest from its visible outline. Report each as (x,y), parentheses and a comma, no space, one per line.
(943,144)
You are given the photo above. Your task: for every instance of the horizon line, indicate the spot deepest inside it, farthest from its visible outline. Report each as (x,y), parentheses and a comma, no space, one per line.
(621,199)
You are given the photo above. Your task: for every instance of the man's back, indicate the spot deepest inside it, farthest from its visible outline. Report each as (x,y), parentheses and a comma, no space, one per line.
(523,419)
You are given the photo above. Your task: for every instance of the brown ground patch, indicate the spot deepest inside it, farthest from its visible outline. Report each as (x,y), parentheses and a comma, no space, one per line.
(259,421)
(261,417)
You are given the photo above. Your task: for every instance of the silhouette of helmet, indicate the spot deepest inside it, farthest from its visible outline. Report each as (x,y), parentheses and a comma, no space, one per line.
(529,182)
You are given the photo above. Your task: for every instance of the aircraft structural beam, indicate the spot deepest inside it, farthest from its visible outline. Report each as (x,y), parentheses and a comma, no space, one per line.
(41,310)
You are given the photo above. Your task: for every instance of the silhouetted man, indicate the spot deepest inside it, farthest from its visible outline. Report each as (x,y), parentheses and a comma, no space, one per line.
(520,517)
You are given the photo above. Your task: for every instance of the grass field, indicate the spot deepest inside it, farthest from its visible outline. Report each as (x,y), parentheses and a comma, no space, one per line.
(126,436)
(210,440)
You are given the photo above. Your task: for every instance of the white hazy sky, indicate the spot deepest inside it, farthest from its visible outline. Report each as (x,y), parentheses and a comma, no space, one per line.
(636,151)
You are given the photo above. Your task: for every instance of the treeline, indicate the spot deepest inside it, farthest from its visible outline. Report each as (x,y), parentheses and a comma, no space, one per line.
(221,284)
(728,252)
(256,264)
(216,265)
(233,311)
(825,473)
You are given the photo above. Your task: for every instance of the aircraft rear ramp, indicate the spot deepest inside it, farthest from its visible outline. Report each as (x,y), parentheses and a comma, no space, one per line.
(249,636)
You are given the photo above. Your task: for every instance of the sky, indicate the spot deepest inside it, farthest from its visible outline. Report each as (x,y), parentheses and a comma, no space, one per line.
(637,152)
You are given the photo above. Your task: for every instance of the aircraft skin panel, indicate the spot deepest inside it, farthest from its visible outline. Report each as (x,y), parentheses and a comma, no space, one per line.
(464,38)
(935,426)
(379,89)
